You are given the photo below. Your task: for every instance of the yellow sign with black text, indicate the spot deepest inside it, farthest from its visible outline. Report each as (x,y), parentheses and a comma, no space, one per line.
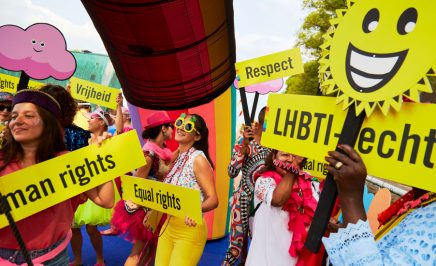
(269,67)
(94,93)
(307,124)
(9,83)
(316,168)
(398,147)
(174,200)
(43,185)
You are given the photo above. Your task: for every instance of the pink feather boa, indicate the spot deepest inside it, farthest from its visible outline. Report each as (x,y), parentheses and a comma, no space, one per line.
(163,153)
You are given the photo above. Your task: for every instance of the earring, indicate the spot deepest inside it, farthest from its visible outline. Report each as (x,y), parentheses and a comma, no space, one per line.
(164,133)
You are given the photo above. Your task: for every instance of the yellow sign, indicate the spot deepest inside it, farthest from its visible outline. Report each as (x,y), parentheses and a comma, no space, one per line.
(38,187)
(269,67)
(302,125)
(94,93)
(378,51)
(316,168)
(174,200)
(10,83)
(398,147)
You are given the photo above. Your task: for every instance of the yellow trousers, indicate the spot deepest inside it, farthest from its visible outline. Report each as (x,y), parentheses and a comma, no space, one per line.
(179,244)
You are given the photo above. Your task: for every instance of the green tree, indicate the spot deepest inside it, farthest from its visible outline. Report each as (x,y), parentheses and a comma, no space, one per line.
(310,38)
(305,83)
(317,23)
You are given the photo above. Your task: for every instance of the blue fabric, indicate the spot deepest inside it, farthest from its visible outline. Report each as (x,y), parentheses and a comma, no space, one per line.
(76,137)
(411,242)
(15,256)
(62,259)
(367,199)
(112,129)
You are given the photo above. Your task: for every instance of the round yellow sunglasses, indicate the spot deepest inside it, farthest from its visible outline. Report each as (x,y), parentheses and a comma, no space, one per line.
(187,126)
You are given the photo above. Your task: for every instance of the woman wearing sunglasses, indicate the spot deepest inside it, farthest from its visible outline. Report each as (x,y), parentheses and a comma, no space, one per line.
(181,241)
(5,113)
(5,106)
(90,214)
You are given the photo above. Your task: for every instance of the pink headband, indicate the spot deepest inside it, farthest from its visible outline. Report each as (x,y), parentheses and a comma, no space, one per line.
(100,113)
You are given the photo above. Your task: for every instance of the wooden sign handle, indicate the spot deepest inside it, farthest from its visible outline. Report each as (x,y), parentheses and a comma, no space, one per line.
(244,103)
(23,82)
(350,132)
(253,108)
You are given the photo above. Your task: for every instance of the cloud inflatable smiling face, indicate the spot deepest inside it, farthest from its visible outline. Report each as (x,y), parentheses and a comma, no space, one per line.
(37,47)
(379,51)
(39,50)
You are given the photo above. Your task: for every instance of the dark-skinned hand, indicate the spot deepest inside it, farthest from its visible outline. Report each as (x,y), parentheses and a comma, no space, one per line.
(350,180)
(350,177)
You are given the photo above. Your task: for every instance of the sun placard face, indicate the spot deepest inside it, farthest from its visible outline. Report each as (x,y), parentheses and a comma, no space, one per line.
(378,51)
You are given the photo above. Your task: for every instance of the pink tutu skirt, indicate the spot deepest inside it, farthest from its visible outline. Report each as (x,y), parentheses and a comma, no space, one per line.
(130,225)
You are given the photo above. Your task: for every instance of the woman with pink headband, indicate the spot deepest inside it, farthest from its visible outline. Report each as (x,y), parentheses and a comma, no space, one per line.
(36,136)
(90,214)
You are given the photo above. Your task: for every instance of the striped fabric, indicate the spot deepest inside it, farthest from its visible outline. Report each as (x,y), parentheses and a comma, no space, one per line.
(168,55)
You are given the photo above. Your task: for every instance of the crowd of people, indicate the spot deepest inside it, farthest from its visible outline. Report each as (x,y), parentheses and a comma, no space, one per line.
(272,208)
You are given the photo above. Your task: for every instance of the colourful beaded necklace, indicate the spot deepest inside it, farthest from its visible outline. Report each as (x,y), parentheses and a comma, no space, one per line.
(178,166)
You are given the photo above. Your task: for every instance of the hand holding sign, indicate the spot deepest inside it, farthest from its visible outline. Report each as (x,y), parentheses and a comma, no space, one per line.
(349,173)
(174,200)
(190,222)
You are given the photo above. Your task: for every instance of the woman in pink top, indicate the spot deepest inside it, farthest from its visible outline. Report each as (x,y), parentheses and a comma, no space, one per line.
(36,136)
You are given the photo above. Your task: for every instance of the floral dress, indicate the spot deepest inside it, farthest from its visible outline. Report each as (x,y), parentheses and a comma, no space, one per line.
(182,171)
(276,233)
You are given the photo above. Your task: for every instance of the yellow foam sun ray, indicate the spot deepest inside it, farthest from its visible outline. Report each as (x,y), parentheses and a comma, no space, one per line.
(325,46)
(396,103)
(360,106)
(350,3)
(346,102)
(432,71)
(329,86)
(384,106)
(324,68)
(334,22)
(423,85)
(369,108)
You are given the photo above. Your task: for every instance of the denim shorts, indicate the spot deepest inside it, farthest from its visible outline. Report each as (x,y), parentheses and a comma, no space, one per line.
(16,256)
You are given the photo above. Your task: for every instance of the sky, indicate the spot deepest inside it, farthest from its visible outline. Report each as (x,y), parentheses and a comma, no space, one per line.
(261,26)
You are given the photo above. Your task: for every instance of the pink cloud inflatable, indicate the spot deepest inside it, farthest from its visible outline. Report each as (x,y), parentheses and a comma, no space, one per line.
(40,51)
(264,87)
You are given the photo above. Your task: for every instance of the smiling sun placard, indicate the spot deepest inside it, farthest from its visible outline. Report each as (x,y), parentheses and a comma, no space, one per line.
(376,52)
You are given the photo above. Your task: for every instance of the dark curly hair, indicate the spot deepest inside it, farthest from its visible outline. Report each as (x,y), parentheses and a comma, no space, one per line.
(152,133)
(68,105)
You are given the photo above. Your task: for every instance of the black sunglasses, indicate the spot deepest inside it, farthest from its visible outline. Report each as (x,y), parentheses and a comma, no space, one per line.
(5,107)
